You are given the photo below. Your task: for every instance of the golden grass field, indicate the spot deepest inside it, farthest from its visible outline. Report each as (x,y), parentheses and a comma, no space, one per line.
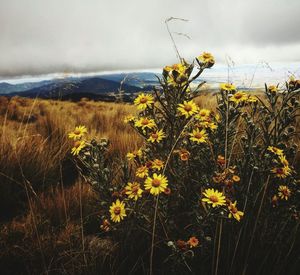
(40,188)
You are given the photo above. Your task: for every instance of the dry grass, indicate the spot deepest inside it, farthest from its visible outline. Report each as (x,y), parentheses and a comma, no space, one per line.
(34,147)
(41,200)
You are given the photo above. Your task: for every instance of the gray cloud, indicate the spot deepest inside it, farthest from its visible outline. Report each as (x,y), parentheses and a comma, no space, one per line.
(81,36)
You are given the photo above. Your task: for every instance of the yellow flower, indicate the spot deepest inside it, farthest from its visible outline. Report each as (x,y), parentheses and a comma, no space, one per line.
(78,146)
(145,122)
(206,59)
(203,114)
(176,74)
(130,156)
(284,192)
(180,68)
(208,125)
(156,184)
(143,101)
(134,154)
(117,211)
(251,99)
(212,126)
(283,160)
(142,171)
(193,242)
(199,136)
(187,109)
(133,190)
(214,197)
(275,150)
(238,97)
(272,89)
(227,87)
(156,136)
(129,118)
(234,212)
(78,132)
(157,164)
(281,172)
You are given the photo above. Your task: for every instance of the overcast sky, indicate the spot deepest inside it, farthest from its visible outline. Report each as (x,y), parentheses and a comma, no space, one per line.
(47,36)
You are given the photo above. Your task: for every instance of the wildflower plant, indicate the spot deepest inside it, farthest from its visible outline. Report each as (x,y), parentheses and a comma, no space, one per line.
(212,177)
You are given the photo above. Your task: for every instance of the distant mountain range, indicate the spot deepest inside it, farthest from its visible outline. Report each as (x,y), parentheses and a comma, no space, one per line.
(107,86)
(104,87)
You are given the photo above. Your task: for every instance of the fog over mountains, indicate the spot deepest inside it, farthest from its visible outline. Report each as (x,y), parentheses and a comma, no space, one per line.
(107,85)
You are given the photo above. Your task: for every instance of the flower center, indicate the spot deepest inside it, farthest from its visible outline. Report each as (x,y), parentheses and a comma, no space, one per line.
(156,182)
(135,189)
(238,96)
(154,135)
(145,121)
(117,210)
(285,192)
(77,132)
(143,100)
(158,163)
(214,198)
(198,136)
(188,108)
(233,209)
(279,171)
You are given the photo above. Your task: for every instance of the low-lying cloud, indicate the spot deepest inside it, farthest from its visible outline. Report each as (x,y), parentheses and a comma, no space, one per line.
(39,37)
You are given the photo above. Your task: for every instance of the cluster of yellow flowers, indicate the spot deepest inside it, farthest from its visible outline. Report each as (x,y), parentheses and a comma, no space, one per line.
(77,135)
(237,97)
(177,75)
(155,184)
(282,171)
(204,121)
(133,155)
(215,198)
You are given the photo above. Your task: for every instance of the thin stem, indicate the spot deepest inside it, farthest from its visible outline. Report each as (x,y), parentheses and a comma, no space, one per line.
(226,129)
(241,229)
(153,235)
(255,225)
(219,246)
(81,222)
(171,36)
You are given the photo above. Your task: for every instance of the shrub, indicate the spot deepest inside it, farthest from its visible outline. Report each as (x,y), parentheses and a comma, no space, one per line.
(211,191)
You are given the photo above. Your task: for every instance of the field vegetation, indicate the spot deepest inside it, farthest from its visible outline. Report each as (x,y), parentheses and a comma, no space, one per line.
(190,183)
